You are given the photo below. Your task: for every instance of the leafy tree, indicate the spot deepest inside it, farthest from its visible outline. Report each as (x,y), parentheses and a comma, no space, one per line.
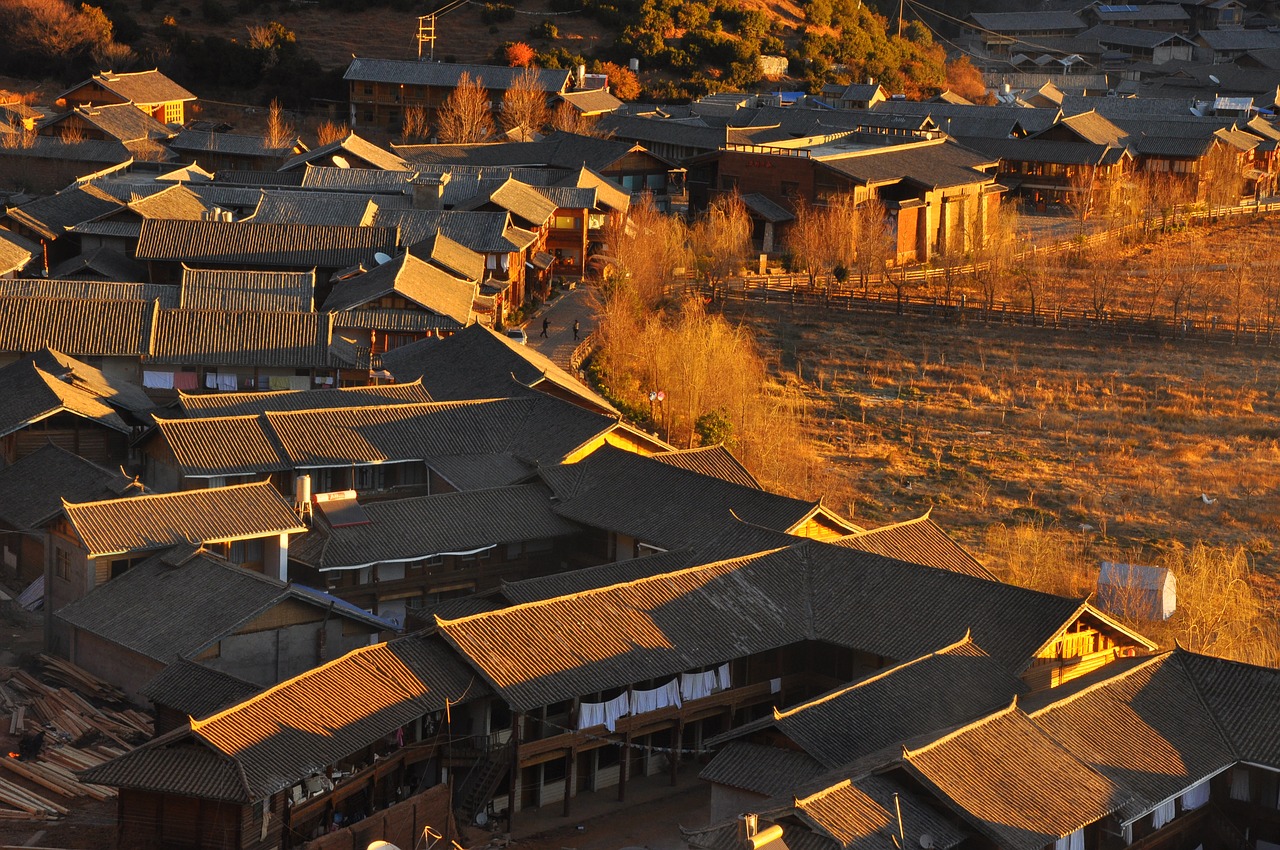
(519,55)
(624,84)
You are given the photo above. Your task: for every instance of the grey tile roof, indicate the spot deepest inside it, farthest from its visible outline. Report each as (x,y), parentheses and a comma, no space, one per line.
(920,541)
(662,504)
(253,403)
(1240,39)
(15,252)
(590,578)
(196,690)
(760,769)
(942,690)
(1145,12)
(479,363)
(109,152)
(766,209)
(195,516)
(932,164)
(122,121)
(1016,22)
(1243,699)
(412,279)
(483,232)
(352,145)
(446,75)
(165,611)
(192,142)
(394,321)
(32,394)
(591,102)
(557,152)
(234,290)
(1014,783)
(480,471)
(350,209)
(1147,730)
(112,265)
(79,327)
(521,200)
(418,528)
(1048,151)
(211,338)
(53,215)
(97,290)
(143,87)
(450,255)
(716,461)
(1124,37)
(32,489)
(298,728)
(273,245)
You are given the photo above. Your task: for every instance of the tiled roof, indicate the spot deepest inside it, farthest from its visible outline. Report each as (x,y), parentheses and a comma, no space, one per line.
(241,338)
(766,209)
(175,607)
(253,403)
(122,121)
(234,291)
(920,541)
(450,255)
(354,179)
(79,327)
(352,144)
(662,504)
(520,199)
(480,471)
(481,231)
(1014,783)
(393,321)
(446,74)
(1015,22)
(32,488)
(281,206)
(193,142)
(1147,730)
(31,394)
(110,264)
(412,279)
(1243,698)
(534,429)
(589,102)
(196,690)
(219,445)
(142,86)
(418,528)
(479,363)
(944,689)
(716,461)
(15,251)
(300,727)
(106,152)
(274,245)
(173,764)
(53,215)
(542,652)
(1047,151)
(119,393)
(760,769)
(1240,39)
(937,164)
(1145,12)
(195,516)
(1108,35)
(589,578)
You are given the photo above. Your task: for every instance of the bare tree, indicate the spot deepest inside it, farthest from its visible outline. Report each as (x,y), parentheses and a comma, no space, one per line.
(646,248)
(994,254)
(1222,176)
(1083,195)
(721,238)
(279,133)
(414,126)
(524,104)
(331,131)
(873,241)
(567,119)
(466,117)
(808,240)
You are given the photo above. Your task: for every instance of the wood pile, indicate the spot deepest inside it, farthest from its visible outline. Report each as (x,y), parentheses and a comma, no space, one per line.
(78,734)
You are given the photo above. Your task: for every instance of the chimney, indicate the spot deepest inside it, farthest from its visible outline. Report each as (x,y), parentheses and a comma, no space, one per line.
(428,191)
(581,77)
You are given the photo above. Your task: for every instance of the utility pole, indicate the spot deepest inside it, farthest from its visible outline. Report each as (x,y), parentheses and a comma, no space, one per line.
(900,6)
(427,34)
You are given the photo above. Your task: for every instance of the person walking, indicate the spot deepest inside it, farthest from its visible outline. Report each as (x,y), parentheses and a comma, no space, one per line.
(545,324)
(575,330)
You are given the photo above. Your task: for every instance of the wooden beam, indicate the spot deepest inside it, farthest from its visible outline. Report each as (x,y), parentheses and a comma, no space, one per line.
(517,722)
(624,767)
(569,759)
(677,734)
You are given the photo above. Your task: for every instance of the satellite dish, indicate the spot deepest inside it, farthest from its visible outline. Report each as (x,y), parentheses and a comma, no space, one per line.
(341,162)
(482,819)
(383,845)
(926,841)
(1215,80)
(381,257)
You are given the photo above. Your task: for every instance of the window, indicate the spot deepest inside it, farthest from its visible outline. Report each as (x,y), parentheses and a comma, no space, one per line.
(173,113)
(595,221)
(564,222)
(62,564)
(790,189)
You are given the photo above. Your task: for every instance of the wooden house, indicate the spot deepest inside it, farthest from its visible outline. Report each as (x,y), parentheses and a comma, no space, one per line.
(98,541)
(150,92)
(185,604)
(379,90)
(16,253)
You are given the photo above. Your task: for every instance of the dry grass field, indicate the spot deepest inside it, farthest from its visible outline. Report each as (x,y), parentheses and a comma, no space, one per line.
(1118,441)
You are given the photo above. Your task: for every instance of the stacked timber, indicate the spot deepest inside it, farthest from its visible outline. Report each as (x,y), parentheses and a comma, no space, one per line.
(63,702)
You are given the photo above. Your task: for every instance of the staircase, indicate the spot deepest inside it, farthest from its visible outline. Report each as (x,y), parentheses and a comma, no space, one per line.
(476,790)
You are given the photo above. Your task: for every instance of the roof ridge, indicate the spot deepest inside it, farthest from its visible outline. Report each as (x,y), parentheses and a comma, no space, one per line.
(874,677)
(902,524)
(1180,655)
(1096,686)
(908,753)
(176,493)
(804,801)
(740,560)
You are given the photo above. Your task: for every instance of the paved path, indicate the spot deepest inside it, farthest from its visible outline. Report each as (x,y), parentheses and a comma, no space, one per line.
(559,344)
